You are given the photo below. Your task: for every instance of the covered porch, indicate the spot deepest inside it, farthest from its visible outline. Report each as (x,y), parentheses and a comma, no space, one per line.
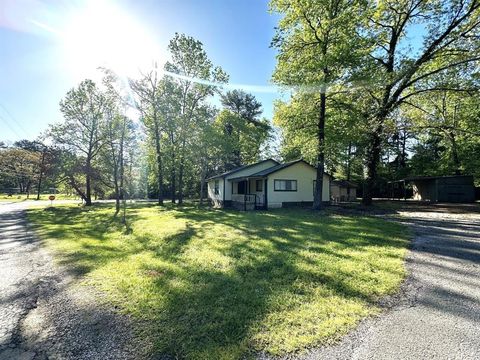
(248,193)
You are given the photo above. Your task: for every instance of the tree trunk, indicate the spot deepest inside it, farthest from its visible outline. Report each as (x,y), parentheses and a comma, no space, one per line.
(373,158)
(403,161)
(159,164)
(115,180)
(77,189)
(349,165)
(202,182)
(88,186)
(180,184)
(180,174)
(318,196)
(122,173)
(456,160)
(39,187)
(117,194)
(173,172)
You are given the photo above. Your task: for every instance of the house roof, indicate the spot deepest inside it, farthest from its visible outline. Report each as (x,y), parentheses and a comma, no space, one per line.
(419,178)
(279,167)
(435,177)
(227,173)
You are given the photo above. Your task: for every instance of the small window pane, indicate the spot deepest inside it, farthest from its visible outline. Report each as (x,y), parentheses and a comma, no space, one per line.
(288,185)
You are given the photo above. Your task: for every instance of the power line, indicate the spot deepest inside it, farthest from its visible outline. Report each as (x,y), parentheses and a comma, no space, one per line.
(10,127)
(15,121)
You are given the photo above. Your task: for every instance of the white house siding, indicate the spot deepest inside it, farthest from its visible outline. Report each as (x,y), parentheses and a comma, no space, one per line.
(217,199)
(305,175)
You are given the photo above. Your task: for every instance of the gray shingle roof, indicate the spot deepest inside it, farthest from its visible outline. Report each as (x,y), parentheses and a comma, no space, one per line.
(227,173)
(280,167)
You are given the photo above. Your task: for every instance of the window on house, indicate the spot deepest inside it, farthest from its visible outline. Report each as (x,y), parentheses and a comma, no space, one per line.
(216,189)
(285,185)
(259,185)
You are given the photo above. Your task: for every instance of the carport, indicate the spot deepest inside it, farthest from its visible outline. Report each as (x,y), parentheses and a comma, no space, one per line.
(453,189)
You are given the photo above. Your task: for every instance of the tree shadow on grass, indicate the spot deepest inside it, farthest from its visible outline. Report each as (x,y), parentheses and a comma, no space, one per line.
(213,307)
(217,312)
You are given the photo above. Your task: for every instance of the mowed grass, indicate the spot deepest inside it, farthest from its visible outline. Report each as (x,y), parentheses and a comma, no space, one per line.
(217,284)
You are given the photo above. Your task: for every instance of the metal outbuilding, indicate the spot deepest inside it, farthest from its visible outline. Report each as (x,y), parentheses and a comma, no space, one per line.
(453,189)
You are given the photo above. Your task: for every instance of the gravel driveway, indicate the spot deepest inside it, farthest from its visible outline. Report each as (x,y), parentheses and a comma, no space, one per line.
(437,313)
(43,315)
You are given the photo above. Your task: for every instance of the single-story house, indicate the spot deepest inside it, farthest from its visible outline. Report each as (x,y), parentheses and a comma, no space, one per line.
(454,188)
(266,184)
(343,190)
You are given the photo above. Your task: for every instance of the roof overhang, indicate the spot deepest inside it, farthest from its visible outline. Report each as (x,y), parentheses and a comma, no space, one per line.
(233,171)
(427,178)
(244,178)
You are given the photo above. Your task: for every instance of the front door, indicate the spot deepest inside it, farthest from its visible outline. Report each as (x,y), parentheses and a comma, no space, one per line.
(242,187)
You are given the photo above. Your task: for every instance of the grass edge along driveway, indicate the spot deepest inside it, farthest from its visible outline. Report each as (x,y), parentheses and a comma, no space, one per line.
(224,284)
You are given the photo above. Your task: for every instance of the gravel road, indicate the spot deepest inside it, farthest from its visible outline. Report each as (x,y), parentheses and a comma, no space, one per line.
(44,313)
(437,313)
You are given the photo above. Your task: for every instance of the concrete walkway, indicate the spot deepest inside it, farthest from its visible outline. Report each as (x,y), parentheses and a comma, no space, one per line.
(43,315)
(437,314)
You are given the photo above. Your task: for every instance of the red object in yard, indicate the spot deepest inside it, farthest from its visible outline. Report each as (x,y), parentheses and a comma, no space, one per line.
(51,197)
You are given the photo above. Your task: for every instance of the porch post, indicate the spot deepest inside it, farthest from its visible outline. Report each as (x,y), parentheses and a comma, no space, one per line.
(265,189)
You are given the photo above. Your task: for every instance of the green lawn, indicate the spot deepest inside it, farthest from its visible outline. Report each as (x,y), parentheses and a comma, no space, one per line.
(222,284)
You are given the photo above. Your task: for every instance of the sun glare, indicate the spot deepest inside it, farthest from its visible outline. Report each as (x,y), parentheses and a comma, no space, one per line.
(102,34)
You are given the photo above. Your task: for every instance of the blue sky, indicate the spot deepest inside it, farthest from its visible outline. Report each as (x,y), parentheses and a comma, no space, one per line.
(39,59)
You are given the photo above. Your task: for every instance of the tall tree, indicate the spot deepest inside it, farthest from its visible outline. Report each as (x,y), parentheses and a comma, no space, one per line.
(119,135)
(21,166)
(245,122)
(393,75)
(195,79)
(318,43)
(82,131)
(149,95)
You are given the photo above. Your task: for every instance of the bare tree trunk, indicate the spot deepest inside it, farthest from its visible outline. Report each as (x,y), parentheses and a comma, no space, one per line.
(122,172)
(180,174)
(40,176)
(180,184)
(159,164)
(173,171)
(88,186)
(117,191)
(77,189)
(318,196)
